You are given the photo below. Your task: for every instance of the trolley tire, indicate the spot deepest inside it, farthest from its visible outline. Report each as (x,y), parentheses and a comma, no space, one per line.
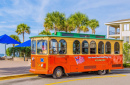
(107,71)
(58,73)
(101,72)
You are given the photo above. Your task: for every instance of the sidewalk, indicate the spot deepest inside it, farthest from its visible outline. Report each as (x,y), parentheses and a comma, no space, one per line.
(10,68)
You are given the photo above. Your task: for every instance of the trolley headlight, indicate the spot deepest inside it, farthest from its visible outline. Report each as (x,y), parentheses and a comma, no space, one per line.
(41,65)
(32,58)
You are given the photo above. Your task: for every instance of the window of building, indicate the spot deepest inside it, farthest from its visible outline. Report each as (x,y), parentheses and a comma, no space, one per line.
(126,39)
(108,48)
(76,47)
(126,27)
(33,46)
(85,47)
(116,48)
(62,47)
(101,47)
(53,46)
(42,47)
(92,47)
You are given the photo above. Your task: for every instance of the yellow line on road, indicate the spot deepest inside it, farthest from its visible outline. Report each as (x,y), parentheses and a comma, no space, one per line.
(16,76)
(118,75)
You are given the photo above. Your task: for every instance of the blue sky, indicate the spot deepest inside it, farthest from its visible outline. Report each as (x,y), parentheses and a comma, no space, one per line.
(33,12)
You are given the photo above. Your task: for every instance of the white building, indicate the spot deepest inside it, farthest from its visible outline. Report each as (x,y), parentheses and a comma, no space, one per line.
(119,30)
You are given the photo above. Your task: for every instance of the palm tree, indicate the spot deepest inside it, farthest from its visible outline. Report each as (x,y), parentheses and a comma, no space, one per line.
(15,37)
(54,21)
(45,32)
(93,24)
(79,21)
(67,26)
(22,29)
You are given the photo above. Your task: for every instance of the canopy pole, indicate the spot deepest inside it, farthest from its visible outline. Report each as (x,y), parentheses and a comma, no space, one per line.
(5,50)
(24,56)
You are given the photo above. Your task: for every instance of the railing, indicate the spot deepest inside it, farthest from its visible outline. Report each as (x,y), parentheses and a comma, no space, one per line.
(113,33)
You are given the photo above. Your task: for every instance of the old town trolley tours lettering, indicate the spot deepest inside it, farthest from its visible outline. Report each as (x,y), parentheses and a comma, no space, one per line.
(65,53)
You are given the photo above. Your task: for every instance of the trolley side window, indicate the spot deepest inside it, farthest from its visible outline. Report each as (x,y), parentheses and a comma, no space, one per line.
(33,46)
(108,48)
(101,47)
(62,47)
(53,46)
(42,47)
(85,47)
(76,47)
(92,47)
(116,48)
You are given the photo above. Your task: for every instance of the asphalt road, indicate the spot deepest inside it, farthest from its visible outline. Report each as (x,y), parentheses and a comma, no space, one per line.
(116,77)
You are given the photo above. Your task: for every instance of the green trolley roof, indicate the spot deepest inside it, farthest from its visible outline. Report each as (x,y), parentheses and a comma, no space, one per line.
(74,35)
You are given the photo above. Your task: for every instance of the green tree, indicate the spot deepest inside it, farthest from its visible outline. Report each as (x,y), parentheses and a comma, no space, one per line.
(15,37)
(79,21)
(45,32)
(22,29)
(8,51)
(126,48)
(54,21)
(93,24)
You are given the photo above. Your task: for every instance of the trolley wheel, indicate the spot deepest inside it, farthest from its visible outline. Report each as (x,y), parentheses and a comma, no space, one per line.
(101,72)
(107,71)
(58,72)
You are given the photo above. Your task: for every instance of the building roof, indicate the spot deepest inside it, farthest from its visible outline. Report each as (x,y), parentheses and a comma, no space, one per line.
(74,35)
(118,21)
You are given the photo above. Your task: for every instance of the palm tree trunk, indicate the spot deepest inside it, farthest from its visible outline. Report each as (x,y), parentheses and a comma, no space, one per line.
(66,30)
(23,36)
(94,31)
(78,29)
(55,30)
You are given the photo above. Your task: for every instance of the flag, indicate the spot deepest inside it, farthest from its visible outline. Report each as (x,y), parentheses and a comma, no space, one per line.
(79,59)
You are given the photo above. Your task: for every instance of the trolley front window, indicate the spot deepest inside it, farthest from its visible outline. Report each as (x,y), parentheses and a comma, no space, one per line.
(42,47)
(33,47)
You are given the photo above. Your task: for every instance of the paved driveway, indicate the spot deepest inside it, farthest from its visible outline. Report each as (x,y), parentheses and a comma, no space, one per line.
(8,68)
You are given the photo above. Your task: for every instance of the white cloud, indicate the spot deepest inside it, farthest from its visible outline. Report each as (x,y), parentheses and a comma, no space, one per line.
(88,4)
(8,26)
(3,22)
(26,9)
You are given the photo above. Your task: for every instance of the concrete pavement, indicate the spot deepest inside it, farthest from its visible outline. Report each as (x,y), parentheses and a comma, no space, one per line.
(122,78)
(9,68)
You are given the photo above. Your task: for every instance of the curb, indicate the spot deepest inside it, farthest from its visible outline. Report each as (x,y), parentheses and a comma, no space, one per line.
(17,76)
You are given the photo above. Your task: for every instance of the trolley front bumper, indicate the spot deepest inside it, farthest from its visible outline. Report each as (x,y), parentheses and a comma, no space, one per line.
(35,71)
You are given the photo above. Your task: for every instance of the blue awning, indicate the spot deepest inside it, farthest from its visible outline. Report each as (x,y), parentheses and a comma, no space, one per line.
(5,39)
(25,44)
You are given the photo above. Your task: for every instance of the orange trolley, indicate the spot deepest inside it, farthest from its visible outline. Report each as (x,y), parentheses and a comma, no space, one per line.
(64,53)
